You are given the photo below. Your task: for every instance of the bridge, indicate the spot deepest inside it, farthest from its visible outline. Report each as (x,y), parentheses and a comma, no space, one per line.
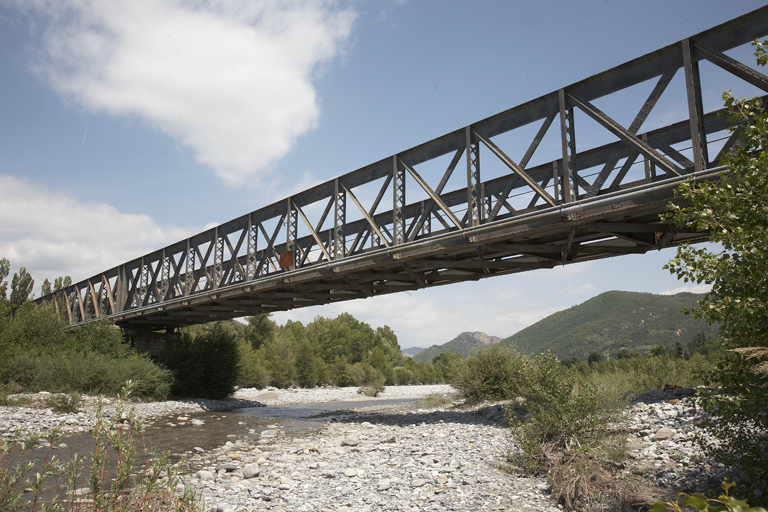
(510,193)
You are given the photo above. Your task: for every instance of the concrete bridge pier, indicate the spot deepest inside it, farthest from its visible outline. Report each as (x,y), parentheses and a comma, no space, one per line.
(153,342)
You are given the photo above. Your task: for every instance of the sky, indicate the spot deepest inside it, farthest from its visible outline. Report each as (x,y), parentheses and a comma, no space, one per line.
(127,126)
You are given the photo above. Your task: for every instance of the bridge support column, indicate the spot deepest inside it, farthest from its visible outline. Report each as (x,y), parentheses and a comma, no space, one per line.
(153,342)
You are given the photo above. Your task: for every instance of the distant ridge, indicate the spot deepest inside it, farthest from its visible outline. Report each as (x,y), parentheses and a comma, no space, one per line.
(464,344)
(411,352)
(612,320)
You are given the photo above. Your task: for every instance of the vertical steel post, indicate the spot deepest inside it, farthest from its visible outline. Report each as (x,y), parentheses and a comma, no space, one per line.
(189,270)
(695,109)
(166,277)
(426,226)
(556,182)
(398,202)
(475,203)
(339,219)
(121,289)
(291,225)
(144,280)
(253,233)
(218,257)
(568,137)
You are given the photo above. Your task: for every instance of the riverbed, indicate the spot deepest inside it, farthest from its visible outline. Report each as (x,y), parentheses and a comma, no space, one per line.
(412,448)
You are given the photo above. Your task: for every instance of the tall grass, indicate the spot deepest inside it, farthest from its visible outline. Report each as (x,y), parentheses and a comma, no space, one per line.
(113,487)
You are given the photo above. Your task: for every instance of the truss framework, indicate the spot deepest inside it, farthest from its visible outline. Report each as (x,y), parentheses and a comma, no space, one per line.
(343,240)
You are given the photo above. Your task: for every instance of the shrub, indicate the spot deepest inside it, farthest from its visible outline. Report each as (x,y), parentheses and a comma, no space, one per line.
(402,376)
(68,403)
(565,410)
(494,373)
(88,372)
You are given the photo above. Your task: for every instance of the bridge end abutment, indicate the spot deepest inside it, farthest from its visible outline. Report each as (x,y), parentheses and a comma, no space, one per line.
(153,342)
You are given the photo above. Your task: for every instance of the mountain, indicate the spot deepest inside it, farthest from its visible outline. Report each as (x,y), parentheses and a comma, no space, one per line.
(464,344)
(411,352)
(613,320)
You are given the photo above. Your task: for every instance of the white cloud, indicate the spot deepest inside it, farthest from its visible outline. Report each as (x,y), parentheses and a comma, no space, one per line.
(693,288)
(579,290)
(229,79)
(53,235)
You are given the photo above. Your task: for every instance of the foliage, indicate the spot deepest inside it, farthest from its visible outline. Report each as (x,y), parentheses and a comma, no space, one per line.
(111,483)
(88,372)
(67,402)
(12,473)
(204,366)
(280,360)
(21,287)
(448,364)
(251,372)
(702,503)
(732,209)
(259,329)
(565,410)
(613,320)
(495,373)
(5,268)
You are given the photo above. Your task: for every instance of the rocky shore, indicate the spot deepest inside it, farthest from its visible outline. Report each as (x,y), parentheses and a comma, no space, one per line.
(444,457)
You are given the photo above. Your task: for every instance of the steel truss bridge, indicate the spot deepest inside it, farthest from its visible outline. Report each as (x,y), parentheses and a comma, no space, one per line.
(472,210)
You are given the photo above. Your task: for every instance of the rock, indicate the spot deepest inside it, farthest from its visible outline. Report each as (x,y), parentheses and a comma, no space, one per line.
(663,434)
(350,472)
(197,422)
(418,482)
(204,475)
(349,442)
(251,470)
(197,449)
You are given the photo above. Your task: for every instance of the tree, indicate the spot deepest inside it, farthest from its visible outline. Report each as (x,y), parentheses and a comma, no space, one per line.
(732,209)
(21,287)
(260,328)
(595,357)
(5,268)
(306,365)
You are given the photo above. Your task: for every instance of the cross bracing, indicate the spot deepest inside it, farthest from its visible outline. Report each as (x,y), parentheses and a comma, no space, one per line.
(581,186)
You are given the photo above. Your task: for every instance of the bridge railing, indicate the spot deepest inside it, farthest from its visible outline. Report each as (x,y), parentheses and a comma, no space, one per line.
(520,160)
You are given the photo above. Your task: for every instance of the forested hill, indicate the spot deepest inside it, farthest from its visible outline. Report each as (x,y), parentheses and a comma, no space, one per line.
(464,344)
(612,320)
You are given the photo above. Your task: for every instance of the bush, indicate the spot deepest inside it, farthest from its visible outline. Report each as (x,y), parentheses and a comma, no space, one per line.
(494,373)
(402,376)
(89,372)
(204,367)
(565,410)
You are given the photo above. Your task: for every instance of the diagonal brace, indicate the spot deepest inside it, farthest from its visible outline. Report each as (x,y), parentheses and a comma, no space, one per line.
(623,134)
(517,169)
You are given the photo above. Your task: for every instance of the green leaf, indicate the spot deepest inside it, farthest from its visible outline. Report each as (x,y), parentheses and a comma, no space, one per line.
(659,506)
(697,501)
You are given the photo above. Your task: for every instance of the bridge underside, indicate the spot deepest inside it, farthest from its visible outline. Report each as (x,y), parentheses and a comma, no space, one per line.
(616,225)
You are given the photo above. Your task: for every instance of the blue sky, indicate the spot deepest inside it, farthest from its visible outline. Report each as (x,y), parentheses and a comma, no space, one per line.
(124,128)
